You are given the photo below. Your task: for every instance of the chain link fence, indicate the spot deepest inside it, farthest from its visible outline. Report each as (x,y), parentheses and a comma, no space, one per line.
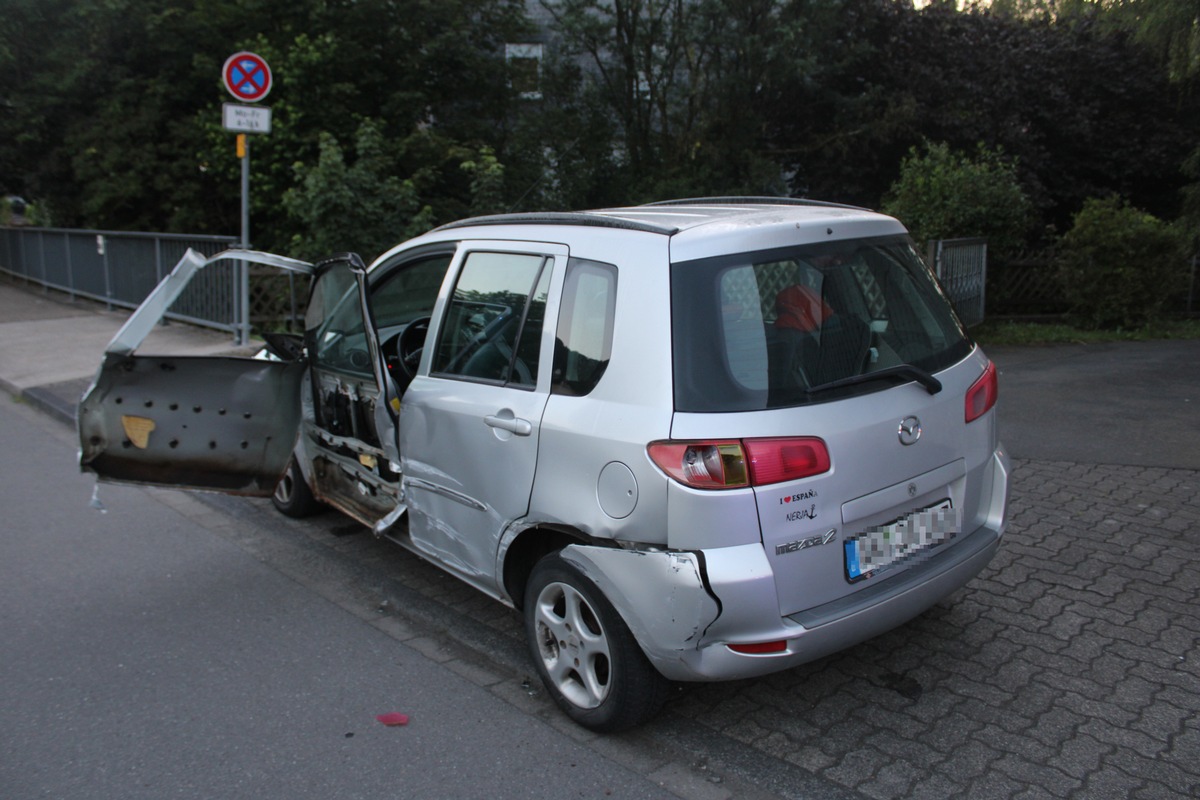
(1032,287)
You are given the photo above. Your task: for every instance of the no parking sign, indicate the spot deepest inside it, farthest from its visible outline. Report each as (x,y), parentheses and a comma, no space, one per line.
(247,76)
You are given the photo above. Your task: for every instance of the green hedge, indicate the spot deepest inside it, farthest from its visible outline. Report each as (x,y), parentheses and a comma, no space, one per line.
(1119,265)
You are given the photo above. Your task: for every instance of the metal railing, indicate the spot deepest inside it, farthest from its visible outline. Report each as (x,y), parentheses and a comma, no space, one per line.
(961,267)
(120,269)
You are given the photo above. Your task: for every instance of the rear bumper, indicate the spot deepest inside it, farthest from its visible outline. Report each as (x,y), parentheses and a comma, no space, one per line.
(836,626)
(685,608)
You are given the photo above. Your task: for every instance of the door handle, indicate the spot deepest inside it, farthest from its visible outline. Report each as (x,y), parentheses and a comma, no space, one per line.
(521,427)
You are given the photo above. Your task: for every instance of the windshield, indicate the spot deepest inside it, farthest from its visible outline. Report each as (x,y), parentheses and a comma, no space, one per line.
(789,327)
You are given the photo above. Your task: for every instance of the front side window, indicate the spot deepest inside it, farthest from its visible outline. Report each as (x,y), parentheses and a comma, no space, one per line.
(409,292)
(806,324)
(334,325)
(493,326)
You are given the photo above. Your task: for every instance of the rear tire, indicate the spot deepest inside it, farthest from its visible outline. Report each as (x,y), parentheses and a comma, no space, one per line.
(292,496)
(585,654)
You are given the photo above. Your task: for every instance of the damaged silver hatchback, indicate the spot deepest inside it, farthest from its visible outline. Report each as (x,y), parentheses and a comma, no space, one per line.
(690,441)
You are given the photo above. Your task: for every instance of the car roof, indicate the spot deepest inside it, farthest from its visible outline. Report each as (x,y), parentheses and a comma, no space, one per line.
(709,226)
(685,215)
(672,216)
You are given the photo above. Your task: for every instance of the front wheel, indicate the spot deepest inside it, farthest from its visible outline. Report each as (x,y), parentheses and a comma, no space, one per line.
(292,496)
(586,656)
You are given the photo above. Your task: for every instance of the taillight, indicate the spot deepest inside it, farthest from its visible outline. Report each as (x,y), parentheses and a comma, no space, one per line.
(779,460)
(982,394)
(702,465)
(737,463)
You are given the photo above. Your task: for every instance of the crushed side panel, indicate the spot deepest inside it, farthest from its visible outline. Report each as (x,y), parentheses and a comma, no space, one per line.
(660,595)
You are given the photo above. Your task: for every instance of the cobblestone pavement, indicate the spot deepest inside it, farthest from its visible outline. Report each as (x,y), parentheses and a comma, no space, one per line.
(1070,668)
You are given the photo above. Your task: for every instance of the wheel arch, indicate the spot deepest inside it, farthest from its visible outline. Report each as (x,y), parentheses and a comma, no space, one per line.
(528,546)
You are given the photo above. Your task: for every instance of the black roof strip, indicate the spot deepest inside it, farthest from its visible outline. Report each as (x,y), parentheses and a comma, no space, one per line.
(763,201)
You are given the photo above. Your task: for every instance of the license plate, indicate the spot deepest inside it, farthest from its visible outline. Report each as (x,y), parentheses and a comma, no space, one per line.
(887,545)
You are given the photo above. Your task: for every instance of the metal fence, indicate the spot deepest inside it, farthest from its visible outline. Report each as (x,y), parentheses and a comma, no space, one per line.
(120,269)
(961,266)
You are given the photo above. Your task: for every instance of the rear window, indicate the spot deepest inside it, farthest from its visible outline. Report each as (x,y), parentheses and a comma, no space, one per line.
(790,327)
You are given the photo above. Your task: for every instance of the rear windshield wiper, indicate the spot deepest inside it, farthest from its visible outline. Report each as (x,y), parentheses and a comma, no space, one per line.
(904,372)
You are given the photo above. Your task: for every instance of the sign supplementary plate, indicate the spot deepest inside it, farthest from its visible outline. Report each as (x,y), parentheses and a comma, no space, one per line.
(247,76)
(245,119)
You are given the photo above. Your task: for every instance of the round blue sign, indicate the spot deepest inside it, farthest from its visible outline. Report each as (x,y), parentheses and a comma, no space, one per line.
(247,76)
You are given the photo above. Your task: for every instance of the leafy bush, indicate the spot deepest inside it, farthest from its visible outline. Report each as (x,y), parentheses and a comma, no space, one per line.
(1119,265)
(360,205)
(941,194)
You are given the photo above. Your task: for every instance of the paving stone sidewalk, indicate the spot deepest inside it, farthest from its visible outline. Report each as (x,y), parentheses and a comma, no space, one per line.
(1069,669)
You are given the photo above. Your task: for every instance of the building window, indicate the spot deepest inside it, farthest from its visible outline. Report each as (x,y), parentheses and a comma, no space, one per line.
(525,69)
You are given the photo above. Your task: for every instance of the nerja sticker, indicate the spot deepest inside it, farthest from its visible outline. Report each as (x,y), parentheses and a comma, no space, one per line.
(804,512)
(810,512)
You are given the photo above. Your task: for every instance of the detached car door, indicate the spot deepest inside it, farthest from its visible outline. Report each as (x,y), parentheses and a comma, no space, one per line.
(470,420)
(221,423)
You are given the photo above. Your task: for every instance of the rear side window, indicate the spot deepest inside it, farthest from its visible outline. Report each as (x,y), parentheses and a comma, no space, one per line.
(805,325)
(585,327)
(493,326)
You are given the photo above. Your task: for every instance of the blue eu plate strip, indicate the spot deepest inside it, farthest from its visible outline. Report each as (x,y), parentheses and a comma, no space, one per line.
(852,567)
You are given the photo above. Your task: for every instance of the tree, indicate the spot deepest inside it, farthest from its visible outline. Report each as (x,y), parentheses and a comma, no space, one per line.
(110,109)
(359,202)
(1169,28)
(558,150)
(1082,110)
(688,83)
(941,194)
(362,206)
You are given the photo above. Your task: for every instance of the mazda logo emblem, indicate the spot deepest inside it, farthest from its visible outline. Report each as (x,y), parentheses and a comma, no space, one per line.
(910,431)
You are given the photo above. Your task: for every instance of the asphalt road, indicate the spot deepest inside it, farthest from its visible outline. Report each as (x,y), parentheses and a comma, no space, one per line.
(1127,403)
(145,655)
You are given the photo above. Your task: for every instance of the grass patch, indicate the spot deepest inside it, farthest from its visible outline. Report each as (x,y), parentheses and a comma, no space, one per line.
(1006,332)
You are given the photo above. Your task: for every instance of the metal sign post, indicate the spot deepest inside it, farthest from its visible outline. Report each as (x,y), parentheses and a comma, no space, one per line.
(248,78)
(244,266)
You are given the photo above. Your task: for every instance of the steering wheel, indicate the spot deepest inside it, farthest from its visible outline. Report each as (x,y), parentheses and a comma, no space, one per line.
(409,345)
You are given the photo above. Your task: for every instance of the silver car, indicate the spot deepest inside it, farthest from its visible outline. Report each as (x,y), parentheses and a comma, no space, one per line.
(690,441)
